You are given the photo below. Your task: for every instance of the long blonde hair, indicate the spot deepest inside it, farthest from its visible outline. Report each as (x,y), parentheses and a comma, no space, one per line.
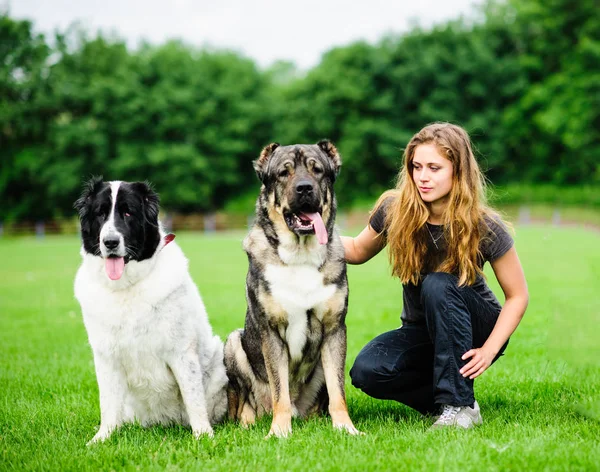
(463,219)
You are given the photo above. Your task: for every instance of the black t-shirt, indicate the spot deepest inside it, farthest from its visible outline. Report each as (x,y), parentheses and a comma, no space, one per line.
(493,245)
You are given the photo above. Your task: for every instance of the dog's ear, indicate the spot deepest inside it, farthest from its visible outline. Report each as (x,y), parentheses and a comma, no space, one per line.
(150,199)
(331,151)
(260,164)
(90,188)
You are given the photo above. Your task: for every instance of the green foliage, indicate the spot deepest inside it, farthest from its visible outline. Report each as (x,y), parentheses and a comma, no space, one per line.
(23,56)
(343,99)
(553,128)
(584,196)
(196,128)
(522,77)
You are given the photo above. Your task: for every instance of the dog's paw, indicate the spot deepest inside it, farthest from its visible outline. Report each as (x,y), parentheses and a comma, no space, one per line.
(279,431)
(247,423)
(101,436)
(248,417)
(349,428)
(203,430)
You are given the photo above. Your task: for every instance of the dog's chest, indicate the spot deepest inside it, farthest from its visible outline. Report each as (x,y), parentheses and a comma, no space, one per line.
(146,370)
(299,291)
(130,326)
(142,345)
(298,288)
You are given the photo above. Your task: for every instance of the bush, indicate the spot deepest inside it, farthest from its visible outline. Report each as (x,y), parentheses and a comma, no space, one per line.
(513,194)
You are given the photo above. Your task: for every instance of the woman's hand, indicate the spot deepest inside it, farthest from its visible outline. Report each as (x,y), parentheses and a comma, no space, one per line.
(510,275)
(481,359)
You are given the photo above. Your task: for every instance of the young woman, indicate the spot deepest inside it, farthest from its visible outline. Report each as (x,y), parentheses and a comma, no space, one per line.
(439,233)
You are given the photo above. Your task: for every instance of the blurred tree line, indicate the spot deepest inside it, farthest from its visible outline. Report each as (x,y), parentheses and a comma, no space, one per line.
(523,78)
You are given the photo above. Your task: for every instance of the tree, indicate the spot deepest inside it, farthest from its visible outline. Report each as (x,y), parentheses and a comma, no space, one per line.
(23,121)
(202,118)
(554,127)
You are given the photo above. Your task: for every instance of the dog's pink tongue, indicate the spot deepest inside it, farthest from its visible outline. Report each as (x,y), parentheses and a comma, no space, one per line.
(114,267)
(319,227)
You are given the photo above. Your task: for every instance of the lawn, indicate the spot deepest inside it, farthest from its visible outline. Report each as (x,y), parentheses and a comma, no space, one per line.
(540,402)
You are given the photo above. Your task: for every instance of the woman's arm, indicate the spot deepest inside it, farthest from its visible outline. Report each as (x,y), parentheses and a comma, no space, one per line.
(511,278)
(364,246)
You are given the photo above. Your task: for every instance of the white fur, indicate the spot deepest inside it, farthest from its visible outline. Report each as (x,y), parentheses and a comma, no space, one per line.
(156,358)
(109,229)
(298,288)
(308,252)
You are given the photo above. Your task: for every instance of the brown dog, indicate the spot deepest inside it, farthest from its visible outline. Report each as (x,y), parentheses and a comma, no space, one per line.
(290,356)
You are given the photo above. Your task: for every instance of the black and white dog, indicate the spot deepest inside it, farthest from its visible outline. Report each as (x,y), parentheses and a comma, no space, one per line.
(156,358)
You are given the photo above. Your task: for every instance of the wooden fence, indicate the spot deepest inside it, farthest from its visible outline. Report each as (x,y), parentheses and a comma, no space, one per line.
(346,221)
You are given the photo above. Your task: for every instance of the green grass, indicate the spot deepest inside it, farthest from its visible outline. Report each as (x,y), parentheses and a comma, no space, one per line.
(539,402)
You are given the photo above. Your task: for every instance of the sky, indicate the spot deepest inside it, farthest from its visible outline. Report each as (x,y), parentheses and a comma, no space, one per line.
(264,30)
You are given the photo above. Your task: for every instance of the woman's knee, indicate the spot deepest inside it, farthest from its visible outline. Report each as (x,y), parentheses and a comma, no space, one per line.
(435,284)
(364,373)
(360,372)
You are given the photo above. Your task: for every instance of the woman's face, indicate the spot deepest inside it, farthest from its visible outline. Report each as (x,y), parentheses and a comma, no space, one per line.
(432,173)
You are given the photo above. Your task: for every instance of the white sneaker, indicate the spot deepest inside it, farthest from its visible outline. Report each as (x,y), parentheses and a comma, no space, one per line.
(459,416)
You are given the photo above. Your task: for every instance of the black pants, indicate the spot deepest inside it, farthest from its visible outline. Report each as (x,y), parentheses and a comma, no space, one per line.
(418,364)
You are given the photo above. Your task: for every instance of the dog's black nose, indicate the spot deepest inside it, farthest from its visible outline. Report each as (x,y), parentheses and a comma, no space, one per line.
(304,187)
(111,243)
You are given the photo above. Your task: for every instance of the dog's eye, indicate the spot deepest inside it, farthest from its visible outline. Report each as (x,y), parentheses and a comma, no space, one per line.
(283,173)
(125,210)
(317,170)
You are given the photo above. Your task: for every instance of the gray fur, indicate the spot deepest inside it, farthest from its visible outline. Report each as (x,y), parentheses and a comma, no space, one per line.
(290,356)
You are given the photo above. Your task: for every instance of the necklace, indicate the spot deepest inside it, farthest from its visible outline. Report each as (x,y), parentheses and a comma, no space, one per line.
(435,240)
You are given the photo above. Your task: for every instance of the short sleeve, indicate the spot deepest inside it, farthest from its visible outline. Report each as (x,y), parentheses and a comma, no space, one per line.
(497,241)
(377,220)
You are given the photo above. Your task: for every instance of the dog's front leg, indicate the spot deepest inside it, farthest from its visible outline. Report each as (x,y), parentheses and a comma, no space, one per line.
(333,355)
(276,362)
(113,389)
(189,375)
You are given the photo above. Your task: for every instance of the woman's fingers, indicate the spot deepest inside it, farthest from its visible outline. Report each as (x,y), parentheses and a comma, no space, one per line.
(468,354)
(479,372)
(468,370)
(476,366)
(476,358)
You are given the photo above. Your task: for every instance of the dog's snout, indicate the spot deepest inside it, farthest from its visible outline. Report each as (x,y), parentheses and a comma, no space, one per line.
(304,187)
(111,243)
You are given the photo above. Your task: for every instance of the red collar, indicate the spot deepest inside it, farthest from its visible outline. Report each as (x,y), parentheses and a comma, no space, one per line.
(168,238)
